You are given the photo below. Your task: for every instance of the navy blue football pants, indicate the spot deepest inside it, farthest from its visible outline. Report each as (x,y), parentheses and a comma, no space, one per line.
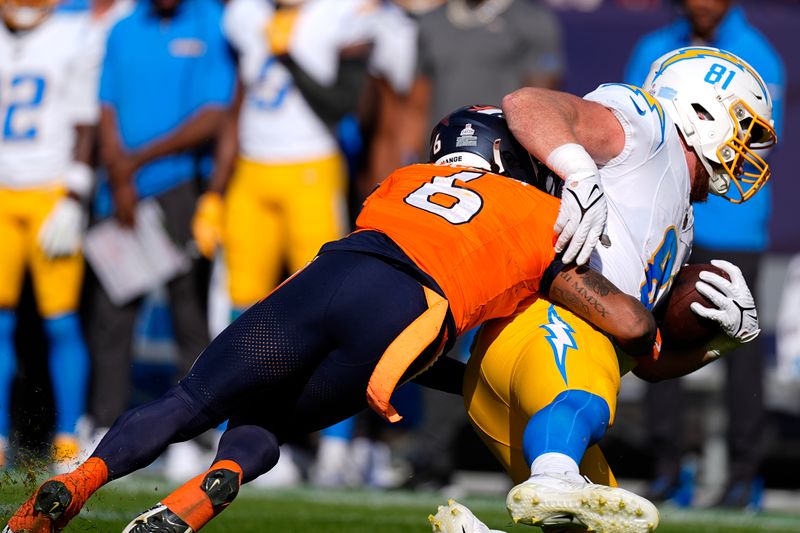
(296,362)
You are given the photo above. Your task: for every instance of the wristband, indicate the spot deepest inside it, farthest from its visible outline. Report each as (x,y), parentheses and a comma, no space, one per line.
(78,179)
(572,161)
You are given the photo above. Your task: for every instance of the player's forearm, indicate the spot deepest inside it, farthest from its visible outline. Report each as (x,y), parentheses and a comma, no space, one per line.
(226,150)
(111,150)
(591,296)
(108,132)
(200,128)
(673,363)
(85,135)
(414,133)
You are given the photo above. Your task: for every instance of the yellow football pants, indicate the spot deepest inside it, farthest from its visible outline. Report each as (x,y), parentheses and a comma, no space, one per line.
(56,282)
(279,214)
(518,366)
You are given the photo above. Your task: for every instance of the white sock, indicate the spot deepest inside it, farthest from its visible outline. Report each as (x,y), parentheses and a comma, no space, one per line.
(555,463)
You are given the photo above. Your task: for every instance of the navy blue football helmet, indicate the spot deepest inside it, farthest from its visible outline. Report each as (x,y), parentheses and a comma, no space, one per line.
(478,136)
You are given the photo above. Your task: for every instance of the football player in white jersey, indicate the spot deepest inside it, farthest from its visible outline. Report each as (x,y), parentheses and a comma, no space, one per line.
(48,86)
(282,186)
(541,386)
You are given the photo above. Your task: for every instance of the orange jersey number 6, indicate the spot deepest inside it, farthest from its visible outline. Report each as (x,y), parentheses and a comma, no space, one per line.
(444,198)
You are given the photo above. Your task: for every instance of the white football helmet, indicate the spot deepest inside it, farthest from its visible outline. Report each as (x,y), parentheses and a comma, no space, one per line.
(723,109)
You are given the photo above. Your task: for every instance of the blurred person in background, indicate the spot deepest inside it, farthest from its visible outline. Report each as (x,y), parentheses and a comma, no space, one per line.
(48,72)
(473,52)
(392,65)
(480,50)
(279,189)
(723,24)
(166,81)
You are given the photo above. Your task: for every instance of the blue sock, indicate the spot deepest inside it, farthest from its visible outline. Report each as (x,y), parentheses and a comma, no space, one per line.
(572,422)
(8,368)
(343,430)
(69,369)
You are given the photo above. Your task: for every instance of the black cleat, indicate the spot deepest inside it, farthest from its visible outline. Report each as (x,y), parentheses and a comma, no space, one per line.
(221,486)
(52,500)
(158,519)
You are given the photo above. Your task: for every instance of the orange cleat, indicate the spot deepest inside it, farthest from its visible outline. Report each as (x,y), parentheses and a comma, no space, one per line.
(58,500)
(192,505)
(42,510)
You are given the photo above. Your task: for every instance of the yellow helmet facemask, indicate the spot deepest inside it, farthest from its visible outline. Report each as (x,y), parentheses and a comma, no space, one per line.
(747,170)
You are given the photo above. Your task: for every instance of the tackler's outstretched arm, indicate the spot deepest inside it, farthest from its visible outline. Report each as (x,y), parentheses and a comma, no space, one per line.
(588,294)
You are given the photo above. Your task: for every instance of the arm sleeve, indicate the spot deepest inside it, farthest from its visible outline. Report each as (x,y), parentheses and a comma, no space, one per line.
(331,103)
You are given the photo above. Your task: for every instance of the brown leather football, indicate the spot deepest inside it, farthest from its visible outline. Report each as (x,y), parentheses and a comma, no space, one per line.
(680,326)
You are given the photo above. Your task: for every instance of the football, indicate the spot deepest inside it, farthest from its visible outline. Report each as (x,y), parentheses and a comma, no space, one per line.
(680,326)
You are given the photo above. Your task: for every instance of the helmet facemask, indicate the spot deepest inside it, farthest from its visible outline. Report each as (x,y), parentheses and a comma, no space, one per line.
(735,168)
(738,155)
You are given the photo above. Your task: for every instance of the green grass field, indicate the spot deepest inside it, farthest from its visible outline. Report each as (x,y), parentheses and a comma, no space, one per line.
(357,511)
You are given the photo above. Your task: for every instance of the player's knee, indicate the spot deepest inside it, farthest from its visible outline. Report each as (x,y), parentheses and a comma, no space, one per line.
(589,409)
(64,327)
(255,449)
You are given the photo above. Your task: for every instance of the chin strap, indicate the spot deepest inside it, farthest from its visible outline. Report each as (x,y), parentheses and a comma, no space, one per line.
(497,160)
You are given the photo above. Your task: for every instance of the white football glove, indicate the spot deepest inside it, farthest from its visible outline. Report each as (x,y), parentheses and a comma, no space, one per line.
(735,310)
(62,231)
(581,217)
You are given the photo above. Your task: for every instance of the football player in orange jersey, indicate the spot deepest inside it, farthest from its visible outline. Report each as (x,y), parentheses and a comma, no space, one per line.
(439,249)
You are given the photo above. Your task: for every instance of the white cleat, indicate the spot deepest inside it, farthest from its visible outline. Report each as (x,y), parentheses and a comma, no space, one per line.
(559,501)
(456,518)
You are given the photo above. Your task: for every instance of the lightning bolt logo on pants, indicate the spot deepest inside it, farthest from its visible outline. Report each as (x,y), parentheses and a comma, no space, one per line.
(560,339)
